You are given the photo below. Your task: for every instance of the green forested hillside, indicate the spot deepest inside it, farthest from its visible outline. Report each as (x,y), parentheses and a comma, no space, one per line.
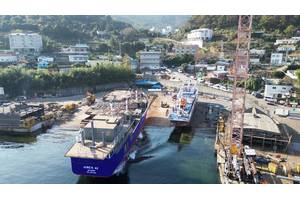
(64,28)
(148,21)
(269,23)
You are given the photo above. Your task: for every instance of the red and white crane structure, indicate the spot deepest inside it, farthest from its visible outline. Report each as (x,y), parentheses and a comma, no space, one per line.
(239,72)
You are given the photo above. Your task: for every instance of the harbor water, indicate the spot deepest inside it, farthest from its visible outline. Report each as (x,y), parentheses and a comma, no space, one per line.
(178,157)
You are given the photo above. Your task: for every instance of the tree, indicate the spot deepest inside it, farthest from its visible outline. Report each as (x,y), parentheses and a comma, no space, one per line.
(298,76)
(129,34)
(18,81)
(254,84)
(278,74)
(290,30)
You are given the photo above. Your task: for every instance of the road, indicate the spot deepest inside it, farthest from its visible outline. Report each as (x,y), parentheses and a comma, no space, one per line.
(251,101)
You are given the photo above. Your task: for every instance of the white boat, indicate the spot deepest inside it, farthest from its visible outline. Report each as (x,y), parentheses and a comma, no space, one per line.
(183,109)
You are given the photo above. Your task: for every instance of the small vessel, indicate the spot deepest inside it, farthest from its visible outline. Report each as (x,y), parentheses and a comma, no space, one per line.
(183,109)
(22,119)
(107,135)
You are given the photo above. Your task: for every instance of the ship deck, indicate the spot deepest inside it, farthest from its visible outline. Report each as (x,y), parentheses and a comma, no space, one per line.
(100,152)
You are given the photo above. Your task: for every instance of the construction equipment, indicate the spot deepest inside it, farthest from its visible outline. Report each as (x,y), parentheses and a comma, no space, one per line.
(70,107)
(239,72)
(90,98)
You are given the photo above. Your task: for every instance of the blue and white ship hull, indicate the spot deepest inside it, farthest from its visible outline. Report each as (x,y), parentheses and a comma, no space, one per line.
(108,166)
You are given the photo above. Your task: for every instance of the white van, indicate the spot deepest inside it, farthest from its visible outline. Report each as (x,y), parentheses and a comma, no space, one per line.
(271,100)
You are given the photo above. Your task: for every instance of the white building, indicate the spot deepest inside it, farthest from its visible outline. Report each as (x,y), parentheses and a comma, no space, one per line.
(200,34)
(277,91)
(257,52)
(8,57)
(199,42)
(286,41)
(150,60)
(254,61)
(285,48)
(45,59)
(181,49)
(102,59)
(2,91)
(276,59)
(25,42)
(76,49)
(78,58)
(292,74)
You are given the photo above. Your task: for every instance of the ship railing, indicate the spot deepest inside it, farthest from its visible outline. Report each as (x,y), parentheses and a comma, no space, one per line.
(120,138)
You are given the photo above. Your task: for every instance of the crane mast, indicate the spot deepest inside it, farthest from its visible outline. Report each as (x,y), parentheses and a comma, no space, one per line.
(239,72)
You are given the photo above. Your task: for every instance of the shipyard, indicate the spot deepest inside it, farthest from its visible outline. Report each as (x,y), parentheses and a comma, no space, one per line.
(197,102)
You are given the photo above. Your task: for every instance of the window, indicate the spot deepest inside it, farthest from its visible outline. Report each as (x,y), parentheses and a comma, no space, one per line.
(274,88)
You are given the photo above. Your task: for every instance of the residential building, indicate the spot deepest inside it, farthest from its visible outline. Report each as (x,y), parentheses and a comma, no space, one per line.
(276,59)
(286,41)
(201,67)
(296,38)
(291,74)
(43,64)
(254,61)
(25,42)
(199,42)
(181,49)
(150,60)
(2,91)
(285,48)
(295,57)
(222,65)
(2,94)
(102,59)
(8,57)
(77,49)
(275,91)
(200,34)
(44,61)
(134,65)
(78,58)
(220,74)
(257,52)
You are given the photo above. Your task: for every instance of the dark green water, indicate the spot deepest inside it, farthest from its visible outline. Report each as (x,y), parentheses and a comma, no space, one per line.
(183,157)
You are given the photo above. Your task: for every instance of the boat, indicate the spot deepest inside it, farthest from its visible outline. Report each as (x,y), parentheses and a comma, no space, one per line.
(24,119)
(183,109)
(107,135)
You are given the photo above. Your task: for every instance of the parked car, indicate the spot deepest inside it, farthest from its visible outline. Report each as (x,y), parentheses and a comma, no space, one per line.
(216,86)
(21,98)
(223,88)
(257,95)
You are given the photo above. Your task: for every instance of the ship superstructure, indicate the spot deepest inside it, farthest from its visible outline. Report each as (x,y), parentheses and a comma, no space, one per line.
(183,109)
